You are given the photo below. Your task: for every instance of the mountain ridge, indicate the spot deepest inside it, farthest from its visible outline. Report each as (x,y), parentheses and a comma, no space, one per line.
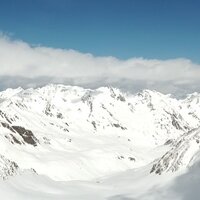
(83,134)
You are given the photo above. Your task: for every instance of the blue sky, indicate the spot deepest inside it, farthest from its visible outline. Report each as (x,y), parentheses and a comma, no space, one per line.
(160,29)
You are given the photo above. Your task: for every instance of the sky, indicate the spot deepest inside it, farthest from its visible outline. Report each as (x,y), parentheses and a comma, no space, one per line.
(130,44)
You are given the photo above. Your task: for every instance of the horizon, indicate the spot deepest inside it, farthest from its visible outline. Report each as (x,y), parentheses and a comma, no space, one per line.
(131,44)
(128,92)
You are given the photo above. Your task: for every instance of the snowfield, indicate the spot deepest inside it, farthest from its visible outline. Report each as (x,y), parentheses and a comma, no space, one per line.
(128,185)
(65,142)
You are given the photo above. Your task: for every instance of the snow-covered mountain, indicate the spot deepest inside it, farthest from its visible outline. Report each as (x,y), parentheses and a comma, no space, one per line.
(71,133)
(184,152)
(7,168)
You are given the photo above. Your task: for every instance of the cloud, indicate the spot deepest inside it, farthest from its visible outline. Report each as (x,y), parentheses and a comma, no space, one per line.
(26,65)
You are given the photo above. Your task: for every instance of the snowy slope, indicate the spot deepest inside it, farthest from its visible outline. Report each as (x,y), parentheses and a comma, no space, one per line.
(89,133)
(70,133)
(184,152)
(7,168)
(128,185)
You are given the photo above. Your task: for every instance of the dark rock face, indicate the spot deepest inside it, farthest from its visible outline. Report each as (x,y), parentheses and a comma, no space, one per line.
(121,98)
(5,125)
(15,140)
(175,122)
(94,125)
(119,126)
(5,116)
(27,135)
(131,158)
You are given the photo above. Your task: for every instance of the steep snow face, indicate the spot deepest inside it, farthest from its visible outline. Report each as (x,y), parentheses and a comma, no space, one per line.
(159,116)
(184,153)
(4,95)
(83,134)
(7,168)
(192,104)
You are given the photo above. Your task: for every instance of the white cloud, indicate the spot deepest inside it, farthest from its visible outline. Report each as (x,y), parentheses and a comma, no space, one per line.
(18,58)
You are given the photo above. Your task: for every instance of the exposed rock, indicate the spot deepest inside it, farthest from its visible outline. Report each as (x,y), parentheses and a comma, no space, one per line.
(27,135)
(7,168)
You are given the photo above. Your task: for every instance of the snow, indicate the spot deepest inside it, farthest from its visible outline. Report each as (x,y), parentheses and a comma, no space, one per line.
(80,143)
(132,184)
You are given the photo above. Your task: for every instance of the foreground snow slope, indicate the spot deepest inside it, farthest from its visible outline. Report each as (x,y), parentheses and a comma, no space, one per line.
(78,136)
(129,185)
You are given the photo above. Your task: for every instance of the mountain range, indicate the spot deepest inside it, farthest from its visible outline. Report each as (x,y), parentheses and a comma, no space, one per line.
(67,139)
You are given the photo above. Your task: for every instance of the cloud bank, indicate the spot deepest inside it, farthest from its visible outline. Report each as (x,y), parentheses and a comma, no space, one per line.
(24,65)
